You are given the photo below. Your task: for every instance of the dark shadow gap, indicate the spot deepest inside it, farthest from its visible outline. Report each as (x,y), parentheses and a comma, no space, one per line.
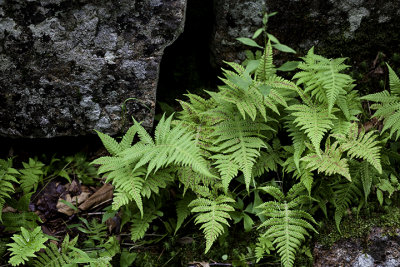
(186,65)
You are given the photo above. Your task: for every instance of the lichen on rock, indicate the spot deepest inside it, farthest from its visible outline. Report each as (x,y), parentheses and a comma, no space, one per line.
(68,66)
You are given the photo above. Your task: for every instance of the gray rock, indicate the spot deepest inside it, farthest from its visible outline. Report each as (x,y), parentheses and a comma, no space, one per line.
(382,249)
(67,66)
(354,28)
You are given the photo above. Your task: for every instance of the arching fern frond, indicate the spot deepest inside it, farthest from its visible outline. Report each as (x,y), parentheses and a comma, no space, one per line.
(361,145)
(238,142)
(329,161)
(345,193)
(213,213)
(322,77)
(26,245)
(266,68)
(287,225)
(55,257)
(389,105)
(315,121)
(140,225)
(171,145)
(7,177)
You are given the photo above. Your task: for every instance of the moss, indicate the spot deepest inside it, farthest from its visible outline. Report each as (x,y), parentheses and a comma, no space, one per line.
(354,226)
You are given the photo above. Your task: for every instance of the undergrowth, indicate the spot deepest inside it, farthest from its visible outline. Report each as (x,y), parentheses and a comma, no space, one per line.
(271,157)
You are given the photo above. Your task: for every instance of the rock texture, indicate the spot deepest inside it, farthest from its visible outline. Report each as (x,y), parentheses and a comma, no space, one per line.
(67,66)
(355,28)
(381,249)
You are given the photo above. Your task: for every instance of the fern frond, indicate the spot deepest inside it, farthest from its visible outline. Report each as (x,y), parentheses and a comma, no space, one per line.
(109,143)
(128,186)
(345,193)
(141,224)
(26,245)
(266,67)
(240,142)
(171,146)
(7,177)
(330,161)
(54,257)
(363,171)
(394,82)
(213,213)
(31,175)
(389,105)
(362,145)
(193,180)
(154,182)
(287,225)
(14,221)
(183,210)
(315,121)
(322,77)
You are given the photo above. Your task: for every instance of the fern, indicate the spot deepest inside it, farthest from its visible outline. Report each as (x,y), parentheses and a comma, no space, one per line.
(287,225)
(7,177)
(141,224)
(389,105)
(322,77)
(362,145)
(31,175)
(266,67)
(345,193)
(213,215)
(238,143)
(54,257)
(170,146)
(314,120)
(183,210)
(330,161)
(26,245)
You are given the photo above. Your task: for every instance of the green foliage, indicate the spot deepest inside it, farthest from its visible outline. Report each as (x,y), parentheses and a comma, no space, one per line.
(288,224)
(54,257)
(7,177)
(388,106)
(213,214)
(26,245)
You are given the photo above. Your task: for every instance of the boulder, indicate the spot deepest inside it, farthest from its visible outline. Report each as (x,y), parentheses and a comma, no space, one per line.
(68,67)
(358,29)
(380,249)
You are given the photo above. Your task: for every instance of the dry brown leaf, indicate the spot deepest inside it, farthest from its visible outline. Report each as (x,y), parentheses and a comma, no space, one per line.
(103,194)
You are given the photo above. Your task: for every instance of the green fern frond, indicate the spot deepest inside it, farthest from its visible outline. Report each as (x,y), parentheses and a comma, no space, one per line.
(345,193)
(128,186)
(154,182)
(287,225)
(266,67)
(183,210)
(227,167)
(213,213)
(361,145)
(363,171)
(141,224)
(322,77)
(54,257)
(330,161)
(315,121)
(14,221)
(7,177)
(389,105)
(394,82)
(171,146)
(109,143)
(26,245)
(31,175)
(193,180)
(240,142)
